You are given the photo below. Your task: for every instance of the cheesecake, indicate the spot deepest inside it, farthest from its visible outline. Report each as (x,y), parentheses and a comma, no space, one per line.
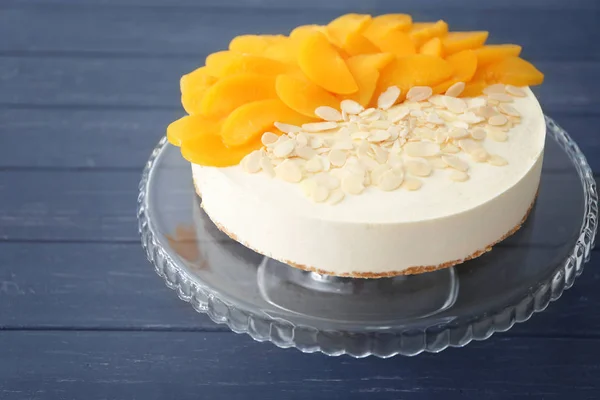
(370,147)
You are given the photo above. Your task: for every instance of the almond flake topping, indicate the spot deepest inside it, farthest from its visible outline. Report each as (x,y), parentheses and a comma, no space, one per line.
(328,113)
(391,147)
(388,98)
(456,89)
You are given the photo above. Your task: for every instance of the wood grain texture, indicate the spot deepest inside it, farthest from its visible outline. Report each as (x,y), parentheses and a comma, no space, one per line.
(317,5)
(195,32)
(192,365)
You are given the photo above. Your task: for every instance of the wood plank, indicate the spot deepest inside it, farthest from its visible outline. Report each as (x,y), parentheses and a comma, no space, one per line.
(346,5)
(112,286)
(87,286)
(148,31)
(153,83)
(158,365)
(43,205)
(105,139)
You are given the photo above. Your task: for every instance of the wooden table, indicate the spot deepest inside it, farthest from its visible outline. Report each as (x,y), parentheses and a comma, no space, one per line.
(87,88)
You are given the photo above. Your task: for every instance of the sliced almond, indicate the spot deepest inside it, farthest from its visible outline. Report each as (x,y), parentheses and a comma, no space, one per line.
(419,93)
(496,88)
(446,115)
(437,162)
(377,172)
(328,113)
(284,148)
(422,149)
(379,135)
(301,139)
(515,91)
(268,138)
(412,184)
(289,171)
(455,105)
(497,160)
(418,167)
(478,133)
(390,181)
(351,107)
(335,196)
(455,162)
(500,97)
(319,126)
(497,135)
(485,111)
(320,194)
(456,89)
(497,120)
(458,133)
(316,142)
(287,128)
(337,157)
(308,187)
(480,155)
(267,166)
(388,97)
(507,109)
(314,164)
(470,117)
(352,184)
(459,176)
(450,149)
(304,152)
(469,145)
(251,162)
(436,100)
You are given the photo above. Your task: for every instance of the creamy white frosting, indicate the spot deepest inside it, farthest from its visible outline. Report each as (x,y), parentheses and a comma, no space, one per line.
(381,232)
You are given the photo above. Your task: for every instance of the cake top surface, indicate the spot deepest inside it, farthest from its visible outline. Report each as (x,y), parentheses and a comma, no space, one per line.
(439,195)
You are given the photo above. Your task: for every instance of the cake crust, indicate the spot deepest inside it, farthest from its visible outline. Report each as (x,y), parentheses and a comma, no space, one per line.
(373,275)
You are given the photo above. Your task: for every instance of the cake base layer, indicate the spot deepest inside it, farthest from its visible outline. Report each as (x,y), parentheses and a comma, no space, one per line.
(371,275)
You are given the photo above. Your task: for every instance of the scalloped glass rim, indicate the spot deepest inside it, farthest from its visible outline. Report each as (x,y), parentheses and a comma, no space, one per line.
(456,333)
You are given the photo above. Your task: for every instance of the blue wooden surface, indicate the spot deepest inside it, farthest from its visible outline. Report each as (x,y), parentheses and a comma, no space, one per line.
(86,89)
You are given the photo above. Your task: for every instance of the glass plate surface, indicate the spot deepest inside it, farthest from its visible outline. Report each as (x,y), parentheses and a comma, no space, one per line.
(360,317)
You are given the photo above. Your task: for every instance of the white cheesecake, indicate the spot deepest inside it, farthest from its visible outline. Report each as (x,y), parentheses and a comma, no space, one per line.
(454,216)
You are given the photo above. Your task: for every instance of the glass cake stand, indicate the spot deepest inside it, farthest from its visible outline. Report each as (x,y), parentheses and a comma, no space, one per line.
(383,317)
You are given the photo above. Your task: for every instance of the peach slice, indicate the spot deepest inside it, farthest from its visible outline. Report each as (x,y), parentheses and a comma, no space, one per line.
(511,71)
(395,42)
(249,44)
(232,91)
(416,70)
(191,126)
(474,88)
(284,50)
(454,42)
(372,61)
(382,24)
(366,78)
(248,122)
(464,65)
(215,62)
(339,29)
(193,86)
(432,47)
(301,31)
(303,96)
(323,65)
(495,52)
(209,150)
(221,64)
(356,44)
(423,31)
